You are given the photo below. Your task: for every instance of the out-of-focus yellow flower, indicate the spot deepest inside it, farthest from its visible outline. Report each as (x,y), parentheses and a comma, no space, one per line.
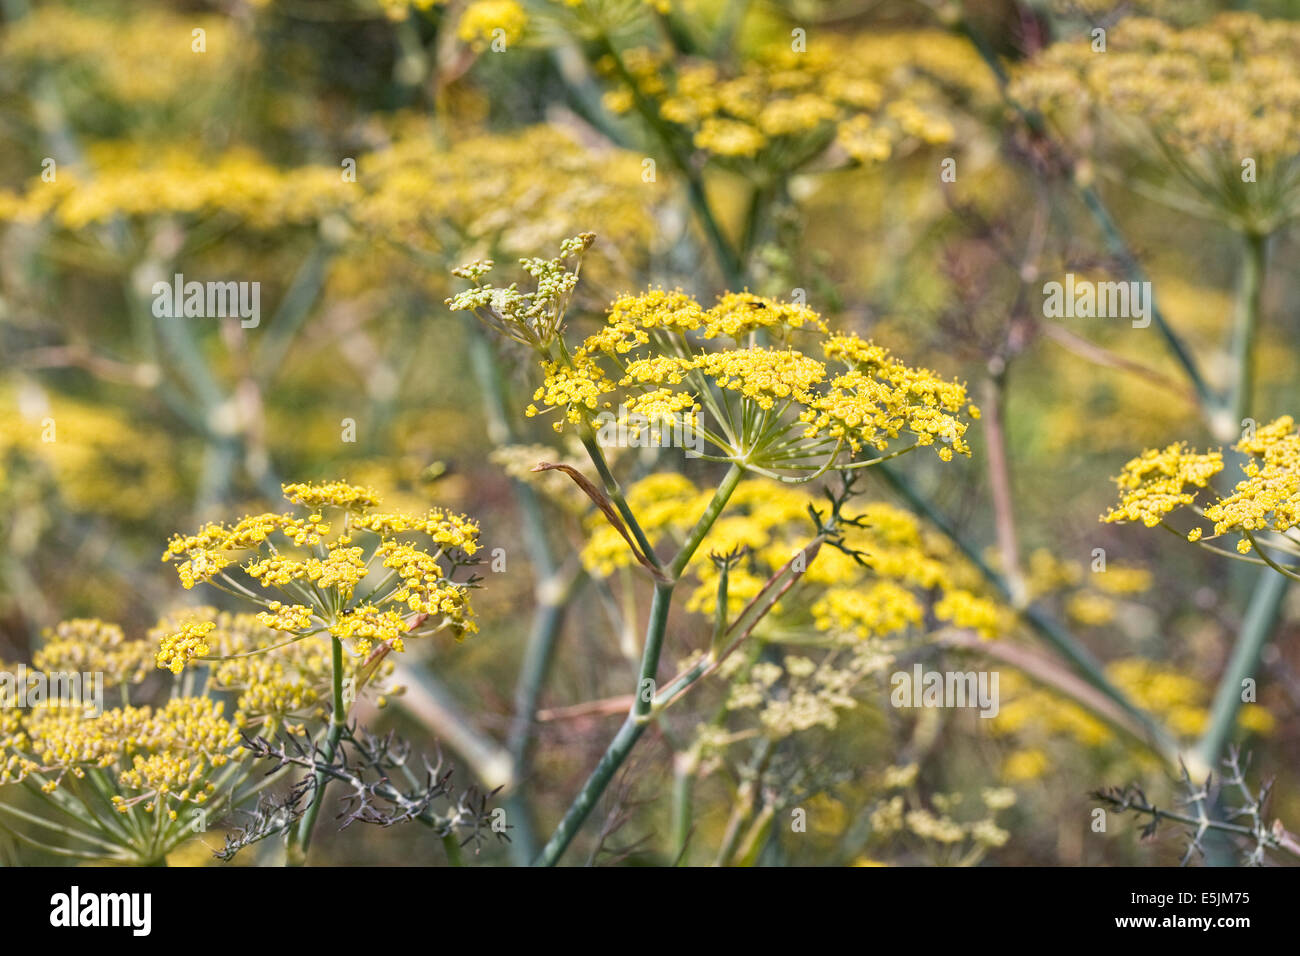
(1204,101)
(1024,765)
(487,23)
(874,95)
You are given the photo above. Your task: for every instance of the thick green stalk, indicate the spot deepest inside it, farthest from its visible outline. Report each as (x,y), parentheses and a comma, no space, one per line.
(539,653)
(1261,617)
(1246,330)
(628,734)
(1118,247)
(303,292)
(338,718)
(711,513)
(1270,589)
(685,766)
(640,714)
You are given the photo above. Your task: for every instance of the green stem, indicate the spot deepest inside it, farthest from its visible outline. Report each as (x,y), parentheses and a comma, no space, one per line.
(628,734)
(711,513)
(454,855)
(338,718)
(539,653)
(1246,330)
(745,800)
(640,714)
(1261,617)
(684,769)
(615,492)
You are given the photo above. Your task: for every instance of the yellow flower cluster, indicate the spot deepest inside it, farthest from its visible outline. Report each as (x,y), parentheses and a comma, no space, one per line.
(1158,482)
(91,646)
(1090,598)
(1035,716)
(841,598)
(656,348)
(1267,499)
(1231,86)
(337,494)
(985,617)
(873,95)
(322,585)
(288,685)
(492,193)
(876,610)
(479,193)
(1205,99)
(144,60)
(1269,496)
(136,180)
(180,757)
(880,397)
(101,461)
(801,693)
(177,649)
(167,753)
(484,22)
(939,824)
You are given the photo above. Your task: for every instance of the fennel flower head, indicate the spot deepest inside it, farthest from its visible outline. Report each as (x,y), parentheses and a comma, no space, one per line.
(338,567)
(766,384)
(1216,105)
(127,782)
(873,97)
(1266,501)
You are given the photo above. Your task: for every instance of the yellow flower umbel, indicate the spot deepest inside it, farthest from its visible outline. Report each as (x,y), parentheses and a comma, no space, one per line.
(1158,482)
(1265,502)
(872,96)
(276,685)
(128,783)
(738,375)
(89,646)
(841,600)
(488,22)
(1218,105)
(364,576)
